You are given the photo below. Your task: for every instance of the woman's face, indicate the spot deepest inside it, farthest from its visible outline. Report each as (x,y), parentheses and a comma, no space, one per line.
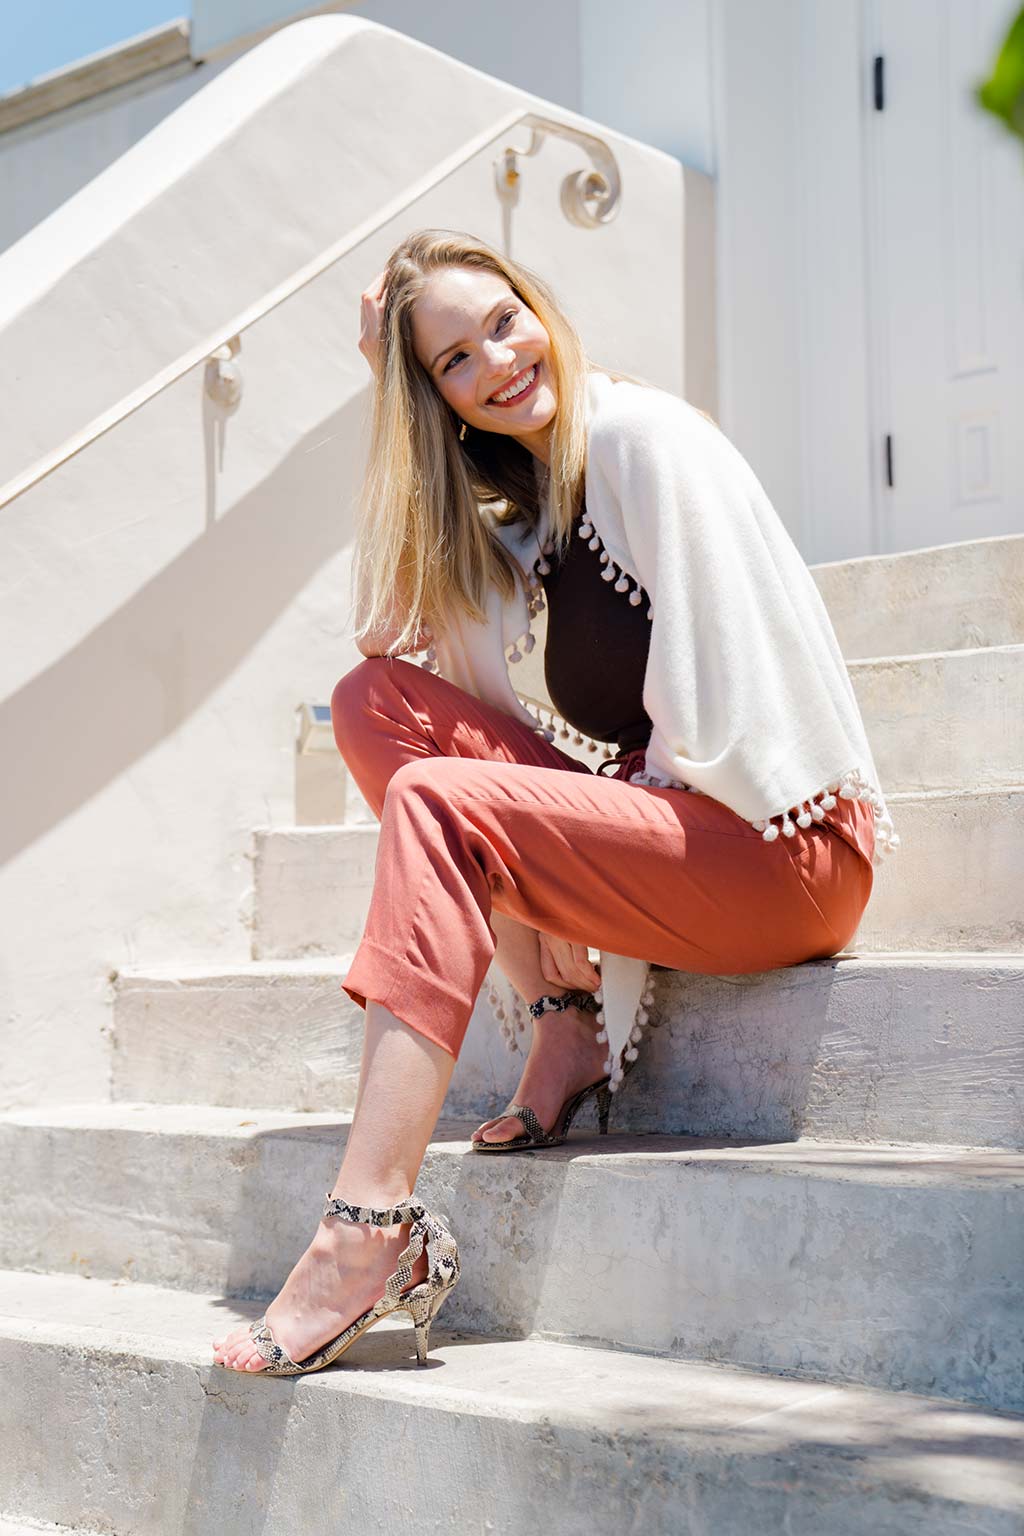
(475,338)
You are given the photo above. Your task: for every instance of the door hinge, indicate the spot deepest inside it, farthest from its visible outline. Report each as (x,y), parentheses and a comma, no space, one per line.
(879,83)
(888,459)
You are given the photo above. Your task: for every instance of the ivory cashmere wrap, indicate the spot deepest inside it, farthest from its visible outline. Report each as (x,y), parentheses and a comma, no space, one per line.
(745,684)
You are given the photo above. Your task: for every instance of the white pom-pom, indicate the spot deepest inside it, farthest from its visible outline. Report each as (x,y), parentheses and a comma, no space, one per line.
(816,812)
(586,528)
(847,792)
(636,597)
(770,832)
(632,1053)
(650,613)
(601,1036)
(642,1016)
(758,826)
(804,819)
(636,1035)
(595,543)
(608,574)
(599,996)
(544,568)
(788,829)
(605,557)
(622,585)
(828,801)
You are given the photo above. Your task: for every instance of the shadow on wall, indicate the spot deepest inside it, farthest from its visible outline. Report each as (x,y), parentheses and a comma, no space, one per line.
(151,664)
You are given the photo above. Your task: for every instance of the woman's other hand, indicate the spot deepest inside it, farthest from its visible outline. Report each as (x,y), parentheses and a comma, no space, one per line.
(371,315)
(567,965)
(379,645)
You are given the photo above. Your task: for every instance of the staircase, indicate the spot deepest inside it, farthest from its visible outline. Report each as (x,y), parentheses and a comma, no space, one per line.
(784,1295)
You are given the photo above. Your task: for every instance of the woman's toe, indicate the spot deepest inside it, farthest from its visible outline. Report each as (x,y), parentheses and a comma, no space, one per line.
(504,1130)
(478,1133)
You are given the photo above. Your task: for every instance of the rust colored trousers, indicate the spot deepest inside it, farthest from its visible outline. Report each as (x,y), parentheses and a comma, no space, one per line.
(479,813)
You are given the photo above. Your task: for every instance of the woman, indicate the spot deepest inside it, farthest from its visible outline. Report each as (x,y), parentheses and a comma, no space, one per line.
(736,834)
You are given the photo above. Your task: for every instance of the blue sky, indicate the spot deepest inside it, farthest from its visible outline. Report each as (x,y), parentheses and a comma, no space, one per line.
(40,35)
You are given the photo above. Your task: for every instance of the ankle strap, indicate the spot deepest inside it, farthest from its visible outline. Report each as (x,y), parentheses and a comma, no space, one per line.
(549,1003)
(373,1216)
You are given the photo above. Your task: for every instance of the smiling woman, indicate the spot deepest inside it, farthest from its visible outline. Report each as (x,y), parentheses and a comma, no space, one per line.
(495,440)
(482,380)
(498,361)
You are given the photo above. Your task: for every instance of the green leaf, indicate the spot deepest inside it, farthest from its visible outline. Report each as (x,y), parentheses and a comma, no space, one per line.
(1003,94)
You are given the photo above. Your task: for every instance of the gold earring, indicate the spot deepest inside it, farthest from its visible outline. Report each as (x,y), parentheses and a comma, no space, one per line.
(462,434)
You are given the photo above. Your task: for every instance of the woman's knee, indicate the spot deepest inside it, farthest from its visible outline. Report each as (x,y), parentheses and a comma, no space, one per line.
(354,695)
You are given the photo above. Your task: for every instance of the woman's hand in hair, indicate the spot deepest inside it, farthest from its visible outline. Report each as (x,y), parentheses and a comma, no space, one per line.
(567,965)
(370,320)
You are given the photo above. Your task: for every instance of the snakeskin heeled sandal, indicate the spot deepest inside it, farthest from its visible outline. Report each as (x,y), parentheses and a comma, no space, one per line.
(423,1301)
(535,1135)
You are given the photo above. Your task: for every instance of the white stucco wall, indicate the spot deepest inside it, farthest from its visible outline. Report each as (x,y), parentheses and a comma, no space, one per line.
(172,592)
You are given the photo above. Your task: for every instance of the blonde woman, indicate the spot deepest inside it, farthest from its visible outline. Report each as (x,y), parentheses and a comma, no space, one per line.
(736,832)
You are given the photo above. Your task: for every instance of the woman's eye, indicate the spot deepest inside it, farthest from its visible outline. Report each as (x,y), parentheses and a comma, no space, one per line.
(509,315)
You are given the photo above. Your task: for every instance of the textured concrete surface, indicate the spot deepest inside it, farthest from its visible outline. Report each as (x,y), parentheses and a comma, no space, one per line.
(917,1048)
(951,597)
(951,720)
(897,1267)
(955,883)
(26,1527)
(311,889)
(272,1034)
(495,1436)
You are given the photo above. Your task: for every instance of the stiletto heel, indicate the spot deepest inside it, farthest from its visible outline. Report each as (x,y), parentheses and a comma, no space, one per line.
(423,1301)
(422,1312)
(534,1134)
(604,1104)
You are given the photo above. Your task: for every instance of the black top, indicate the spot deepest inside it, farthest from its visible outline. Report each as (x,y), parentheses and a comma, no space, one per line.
(595,654)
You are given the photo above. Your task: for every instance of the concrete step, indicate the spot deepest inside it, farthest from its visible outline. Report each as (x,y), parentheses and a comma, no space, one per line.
(916,1048)
(947,720)
(955,883)
(496,1435)
(950,597)
(311,889)
(896,1267)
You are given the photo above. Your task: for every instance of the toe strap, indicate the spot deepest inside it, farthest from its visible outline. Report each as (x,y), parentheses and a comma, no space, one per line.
(533,1126)
(267,1345)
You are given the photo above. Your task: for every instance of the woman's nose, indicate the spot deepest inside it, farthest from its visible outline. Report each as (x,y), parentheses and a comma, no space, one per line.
(501,357)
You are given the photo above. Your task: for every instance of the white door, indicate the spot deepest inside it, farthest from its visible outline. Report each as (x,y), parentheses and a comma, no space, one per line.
(945,231)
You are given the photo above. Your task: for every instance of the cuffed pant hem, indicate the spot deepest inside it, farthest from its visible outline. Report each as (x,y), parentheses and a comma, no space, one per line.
(422,1002)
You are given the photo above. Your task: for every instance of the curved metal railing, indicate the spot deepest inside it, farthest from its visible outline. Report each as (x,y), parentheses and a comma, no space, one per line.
(589,198)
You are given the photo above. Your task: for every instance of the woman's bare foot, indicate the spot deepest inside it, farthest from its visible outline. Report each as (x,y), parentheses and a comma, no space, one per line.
(565,1056)
(340,1275)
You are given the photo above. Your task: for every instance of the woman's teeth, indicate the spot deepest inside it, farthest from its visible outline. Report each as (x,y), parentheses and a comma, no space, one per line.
(517,388)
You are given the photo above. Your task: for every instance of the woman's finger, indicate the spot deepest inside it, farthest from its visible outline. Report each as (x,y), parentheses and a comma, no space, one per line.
(566,964)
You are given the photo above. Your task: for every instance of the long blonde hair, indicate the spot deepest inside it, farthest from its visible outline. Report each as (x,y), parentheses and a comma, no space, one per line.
(424,548)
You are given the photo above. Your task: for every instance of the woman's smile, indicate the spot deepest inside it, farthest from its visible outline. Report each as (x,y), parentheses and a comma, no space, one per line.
(532,374)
